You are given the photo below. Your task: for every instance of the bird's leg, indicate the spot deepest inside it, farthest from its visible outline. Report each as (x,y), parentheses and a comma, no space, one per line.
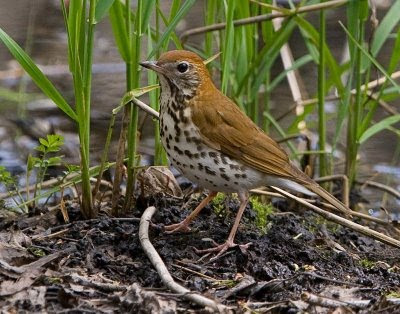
(184,225)
(244,199)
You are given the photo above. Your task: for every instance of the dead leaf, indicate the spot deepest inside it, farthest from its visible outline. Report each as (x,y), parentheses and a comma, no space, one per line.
(158,180)
(141,301)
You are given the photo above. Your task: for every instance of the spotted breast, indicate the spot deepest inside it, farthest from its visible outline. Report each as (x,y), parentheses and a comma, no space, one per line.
(186,151)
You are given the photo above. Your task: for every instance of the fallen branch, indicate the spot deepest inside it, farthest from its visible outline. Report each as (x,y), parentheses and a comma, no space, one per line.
(333,303)
(162,270)
(352,213)
(380,186)
(106,287)
(343,221)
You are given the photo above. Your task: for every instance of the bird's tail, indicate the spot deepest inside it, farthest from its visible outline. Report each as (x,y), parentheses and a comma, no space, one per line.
(314,187)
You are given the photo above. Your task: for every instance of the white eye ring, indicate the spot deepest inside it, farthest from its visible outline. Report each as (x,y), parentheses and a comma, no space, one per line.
(182,66)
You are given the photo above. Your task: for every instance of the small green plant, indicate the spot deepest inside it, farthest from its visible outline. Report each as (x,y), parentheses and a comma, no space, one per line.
(219,204)
(366,263)
(393,294)
(262,210)
(49,145)
(6,177)
(10,183)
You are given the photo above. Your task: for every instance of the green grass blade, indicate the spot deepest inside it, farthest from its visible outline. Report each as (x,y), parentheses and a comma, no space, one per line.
(227,51)
(296,65)
(371,58)
(381,125)
(174,37)
(102,8)
(37,76)
(119,30)
(384,29)
(172,25)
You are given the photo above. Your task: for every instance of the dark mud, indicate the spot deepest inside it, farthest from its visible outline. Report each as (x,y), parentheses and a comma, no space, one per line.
(299,253)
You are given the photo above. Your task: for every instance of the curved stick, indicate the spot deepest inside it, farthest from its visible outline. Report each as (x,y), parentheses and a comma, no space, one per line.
(162,270)
(343,221)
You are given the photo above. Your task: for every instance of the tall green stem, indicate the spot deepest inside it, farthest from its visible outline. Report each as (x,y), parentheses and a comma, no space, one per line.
(132,81)
(323,169)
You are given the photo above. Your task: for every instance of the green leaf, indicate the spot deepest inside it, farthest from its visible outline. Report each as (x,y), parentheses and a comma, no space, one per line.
(117,20)
(384,29)
(37,76)
(381,125)
(371,58)
(29,163)
(102,8)
(172,25)
(54,161)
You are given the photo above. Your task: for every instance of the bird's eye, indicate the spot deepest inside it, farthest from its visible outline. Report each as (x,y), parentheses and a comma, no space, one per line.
(183,67)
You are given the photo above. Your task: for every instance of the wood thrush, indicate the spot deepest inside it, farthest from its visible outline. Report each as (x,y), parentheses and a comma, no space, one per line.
(214,144)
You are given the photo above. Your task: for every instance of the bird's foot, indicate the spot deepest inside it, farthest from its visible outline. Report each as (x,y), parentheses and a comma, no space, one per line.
(222,248)
(182,227)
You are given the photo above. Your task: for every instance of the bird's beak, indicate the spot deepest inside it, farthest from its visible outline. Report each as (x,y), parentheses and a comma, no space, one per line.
(152,65)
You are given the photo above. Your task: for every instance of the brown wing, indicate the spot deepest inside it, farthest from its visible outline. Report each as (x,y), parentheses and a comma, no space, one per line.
(226,128)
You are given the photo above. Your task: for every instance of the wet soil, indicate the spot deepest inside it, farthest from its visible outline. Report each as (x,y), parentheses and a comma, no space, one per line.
(93,265)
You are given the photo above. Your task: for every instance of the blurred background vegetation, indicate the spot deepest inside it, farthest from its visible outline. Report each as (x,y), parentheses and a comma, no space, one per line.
(315,73)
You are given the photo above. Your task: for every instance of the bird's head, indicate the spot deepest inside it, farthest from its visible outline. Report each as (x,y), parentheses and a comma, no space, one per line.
(183,69)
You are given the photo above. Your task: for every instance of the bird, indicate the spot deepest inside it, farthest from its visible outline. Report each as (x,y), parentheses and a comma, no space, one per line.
(215,145)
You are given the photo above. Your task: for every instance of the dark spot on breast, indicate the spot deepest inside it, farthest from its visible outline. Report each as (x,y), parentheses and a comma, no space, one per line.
(177,139)
(224,160)
(212,154)
(188,153)
(222,169)
(196,155)
(197,177)
(244,176)
(177,129)
(234,167)
(203,154)
(186,133)
(199,147)
(237,175)
(216,161)
(196,140)
(191,167)
(236,183)
(224,176)
(170,136)
(209,171)
(200,166)
(176,148)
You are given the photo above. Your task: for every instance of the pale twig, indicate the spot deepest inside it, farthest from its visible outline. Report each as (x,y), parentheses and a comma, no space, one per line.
(146,108)
(352,213)
(345,187)
(333,303)
(106,287)
(343,221)
(162,270)
(380,186)
(262,18)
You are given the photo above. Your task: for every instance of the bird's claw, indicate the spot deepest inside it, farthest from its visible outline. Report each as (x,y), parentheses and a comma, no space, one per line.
(222,248)
(182,227)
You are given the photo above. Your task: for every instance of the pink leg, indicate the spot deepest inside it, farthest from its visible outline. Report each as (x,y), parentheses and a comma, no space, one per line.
(184,225)
(244,199)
